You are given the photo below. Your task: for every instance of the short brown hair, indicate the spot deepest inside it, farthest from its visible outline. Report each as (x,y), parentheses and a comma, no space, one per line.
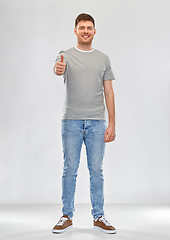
(84,17)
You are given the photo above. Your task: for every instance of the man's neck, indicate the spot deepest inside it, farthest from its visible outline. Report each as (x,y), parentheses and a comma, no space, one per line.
(84,47)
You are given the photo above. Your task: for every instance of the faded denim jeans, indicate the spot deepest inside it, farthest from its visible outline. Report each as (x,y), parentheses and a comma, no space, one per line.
(74,133)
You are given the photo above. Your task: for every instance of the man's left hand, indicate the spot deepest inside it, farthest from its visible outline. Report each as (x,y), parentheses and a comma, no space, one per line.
(110,134)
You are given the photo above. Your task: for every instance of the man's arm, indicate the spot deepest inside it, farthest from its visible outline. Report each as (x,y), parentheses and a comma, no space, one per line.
(59,67)
(110,104)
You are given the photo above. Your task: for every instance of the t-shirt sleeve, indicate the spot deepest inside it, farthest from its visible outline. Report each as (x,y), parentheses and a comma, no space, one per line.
(108,74)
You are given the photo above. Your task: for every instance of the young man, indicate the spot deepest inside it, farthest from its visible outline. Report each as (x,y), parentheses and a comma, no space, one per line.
(87,74)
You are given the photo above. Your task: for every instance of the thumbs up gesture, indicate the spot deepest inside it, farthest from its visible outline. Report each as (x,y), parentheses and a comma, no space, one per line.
(60,66)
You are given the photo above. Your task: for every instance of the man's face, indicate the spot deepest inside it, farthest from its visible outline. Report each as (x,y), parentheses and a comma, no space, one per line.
(85,32)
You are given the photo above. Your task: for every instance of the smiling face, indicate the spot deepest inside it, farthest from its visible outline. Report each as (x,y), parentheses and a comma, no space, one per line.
(85,32)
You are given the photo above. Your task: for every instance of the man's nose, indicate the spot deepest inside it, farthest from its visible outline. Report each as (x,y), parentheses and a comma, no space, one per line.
(86,30)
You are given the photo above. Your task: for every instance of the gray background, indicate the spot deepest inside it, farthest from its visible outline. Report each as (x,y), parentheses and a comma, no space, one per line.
(136,36)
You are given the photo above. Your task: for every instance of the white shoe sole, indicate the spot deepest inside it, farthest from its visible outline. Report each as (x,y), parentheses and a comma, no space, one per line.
(105,231)
(61,231)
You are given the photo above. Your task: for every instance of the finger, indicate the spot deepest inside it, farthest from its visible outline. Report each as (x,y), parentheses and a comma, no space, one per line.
(112,137)
(60,67)
(59,71)
(105,136)
(62,58)
(109,138)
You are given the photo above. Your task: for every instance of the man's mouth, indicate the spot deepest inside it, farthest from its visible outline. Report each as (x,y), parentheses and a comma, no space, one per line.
(85,36)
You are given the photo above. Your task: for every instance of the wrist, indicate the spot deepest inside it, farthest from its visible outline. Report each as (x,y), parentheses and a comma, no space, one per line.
(112,124)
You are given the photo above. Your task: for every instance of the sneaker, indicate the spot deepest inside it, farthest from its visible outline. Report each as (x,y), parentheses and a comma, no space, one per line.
(63,224)
(103,224)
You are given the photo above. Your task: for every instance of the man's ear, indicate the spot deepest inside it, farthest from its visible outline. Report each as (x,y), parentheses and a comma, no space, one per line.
(75,31)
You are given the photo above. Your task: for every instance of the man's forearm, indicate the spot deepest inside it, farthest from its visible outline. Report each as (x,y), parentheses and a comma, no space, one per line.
(110,104)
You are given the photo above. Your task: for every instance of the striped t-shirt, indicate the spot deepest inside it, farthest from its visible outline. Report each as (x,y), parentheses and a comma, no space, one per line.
(84,75)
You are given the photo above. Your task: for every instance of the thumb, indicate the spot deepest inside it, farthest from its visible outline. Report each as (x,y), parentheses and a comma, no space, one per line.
(62,58)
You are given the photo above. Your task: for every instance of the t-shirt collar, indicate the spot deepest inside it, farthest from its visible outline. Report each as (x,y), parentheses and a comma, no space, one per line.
(84,51)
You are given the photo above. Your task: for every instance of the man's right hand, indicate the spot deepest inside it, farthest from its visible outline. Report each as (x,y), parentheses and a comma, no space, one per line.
(60,66)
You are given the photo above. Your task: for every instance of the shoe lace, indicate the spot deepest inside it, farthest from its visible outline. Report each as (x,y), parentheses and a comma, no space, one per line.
(62,221)
(104,220)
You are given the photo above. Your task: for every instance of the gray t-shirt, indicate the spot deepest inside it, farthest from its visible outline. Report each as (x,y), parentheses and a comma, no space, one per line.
(84,75)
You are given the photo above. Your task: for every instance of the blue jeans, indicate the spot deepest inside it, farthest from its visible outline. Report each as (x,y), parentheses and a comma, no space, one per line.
(74,133)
